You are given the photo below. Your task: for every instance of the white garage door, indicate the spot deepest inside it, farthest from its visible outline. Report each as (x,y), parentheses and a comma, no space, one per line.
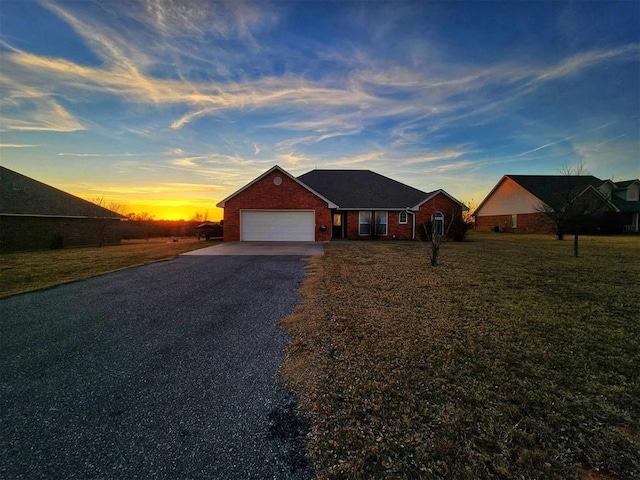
(277,226)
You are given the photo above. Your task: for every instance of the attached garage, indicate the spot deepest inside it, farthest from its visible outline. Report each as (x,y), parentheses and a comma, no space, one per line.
(277,225)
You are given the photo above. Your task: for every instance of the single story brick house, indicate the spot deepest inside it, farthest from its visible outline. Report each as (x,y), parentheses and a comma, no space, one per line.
(36,216)
(324,205)
(516,202)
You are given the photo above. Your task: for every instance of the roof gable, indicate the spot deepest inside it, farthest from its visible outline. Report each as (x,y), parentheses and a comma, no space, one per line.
(24,196)
(363,189)
(555,191)
(507,197)
(222,203)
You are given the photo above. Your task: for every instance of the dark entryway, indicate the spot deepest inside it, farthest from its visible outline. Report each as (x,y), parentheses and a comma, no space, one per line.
(338,228)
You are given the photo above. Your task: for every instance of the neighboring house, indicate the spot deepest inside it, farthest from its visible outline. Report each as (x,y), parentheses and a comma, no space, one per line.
(626,197)
(36,216)
(322,205)
(517,202)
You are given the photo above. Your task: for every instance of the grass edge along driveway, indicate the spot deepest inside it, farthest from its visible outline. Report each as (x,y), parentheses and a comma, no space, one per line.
(23,272)
(510,360)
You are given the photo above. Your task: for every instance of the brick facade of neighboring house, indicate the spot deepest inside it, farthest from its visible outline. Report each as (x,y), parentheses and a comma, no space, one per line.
(522,223)
(36,216)
(349,204)
(41,233)
(517,202)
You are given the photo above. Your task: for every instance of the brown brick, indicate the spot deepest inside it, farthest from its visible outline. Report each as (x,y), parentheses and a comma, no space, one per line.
(264,194)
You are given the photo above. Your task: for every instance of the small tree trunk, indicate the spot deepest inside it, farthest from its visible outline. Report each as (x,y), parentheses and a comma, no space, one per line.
(435,251)
(575,243)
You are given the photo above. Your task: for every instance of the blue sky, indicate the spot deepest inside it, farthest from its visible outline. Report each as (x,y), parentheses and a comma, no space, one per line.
(169,106)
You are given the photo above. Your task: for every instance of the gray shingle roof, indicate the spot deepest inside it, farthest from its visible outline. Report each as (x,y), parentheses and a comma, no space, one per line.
(553,189)
(362,189)
(21,195)
(624,183)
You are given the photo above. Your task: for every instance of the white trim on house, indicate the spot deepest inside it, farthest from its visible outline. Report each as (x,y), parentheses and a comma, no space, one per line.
(222,203)
(434,194)
(597,192)
(360,223)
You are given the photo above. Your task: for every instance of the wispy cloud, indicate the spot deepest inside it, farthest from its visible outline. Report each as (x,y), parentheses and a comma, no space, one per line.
(17,145)
(100,155)
(546,145)
(443,93)
(30,109)
(431,157)
(223,90)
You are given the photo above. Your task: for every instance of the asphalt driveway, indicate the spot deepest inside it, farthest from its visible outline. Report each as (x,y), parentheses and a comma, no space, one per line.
(161,371)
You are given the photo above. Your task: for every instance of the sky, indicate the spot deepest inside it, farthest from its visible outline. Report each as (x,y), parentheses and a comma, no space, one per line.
(167,107)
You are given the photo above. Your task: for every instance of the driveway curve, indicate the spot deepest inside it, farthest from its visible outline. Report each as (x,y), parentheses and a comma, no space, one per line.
(161,371)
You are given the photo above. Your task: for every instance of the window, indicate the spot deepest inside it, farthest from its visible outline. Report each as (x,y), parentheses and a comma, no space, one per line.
(514,221)
(365,223)
(403,217)
(438,223)
(381,223)
(337,219)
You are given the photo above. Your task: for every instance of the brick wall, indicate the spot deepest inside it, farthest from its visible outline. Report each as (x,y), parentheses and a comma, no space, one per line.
(41,233)
(441,203)
(264,194)
(526,223)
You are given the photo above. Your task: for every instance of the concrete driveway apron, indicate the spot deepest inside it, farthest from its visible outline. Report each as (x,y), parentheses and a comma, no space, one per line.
(304,249)
(161,371)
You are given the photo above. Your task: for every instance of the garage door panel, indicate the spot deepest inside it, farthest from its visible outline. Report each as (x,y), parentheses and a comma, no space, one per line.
(289,225)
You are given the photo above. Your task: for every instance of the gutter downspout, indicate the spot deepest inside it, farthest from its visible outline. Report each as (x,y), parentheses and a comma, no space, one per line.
(413,223)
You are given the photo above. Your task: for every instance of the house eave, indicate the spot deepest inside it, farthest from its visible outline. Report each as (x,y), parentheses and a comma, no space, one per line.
(38,215)
(434,194)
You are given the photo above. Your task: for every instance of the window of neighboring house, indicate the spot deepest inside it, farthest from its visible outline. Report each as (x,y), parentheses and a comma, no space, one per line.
(632,193)
(381,223)
(403,217)
(514,221)
(365,223)
(438,223)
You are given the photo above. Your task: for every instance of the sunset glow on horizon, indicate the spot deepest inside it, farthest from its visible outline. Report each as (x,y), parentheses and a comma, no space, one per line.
(176,212)
(169,107)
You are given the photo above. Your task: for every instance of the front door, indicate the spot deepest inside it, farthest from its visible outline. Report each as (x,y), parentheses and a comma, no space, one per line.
(337,230)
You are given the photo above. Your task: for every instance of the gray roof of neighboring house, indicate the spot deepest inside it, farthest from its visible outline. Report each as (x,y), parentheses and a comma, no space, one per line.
(625,205)
(354,189)
(21,195)
(625,183)
(554,189)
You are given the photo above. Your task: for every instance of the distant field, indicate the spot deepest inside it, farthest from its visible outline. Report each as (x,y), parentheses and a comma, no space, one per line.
(512,359)
(27,271)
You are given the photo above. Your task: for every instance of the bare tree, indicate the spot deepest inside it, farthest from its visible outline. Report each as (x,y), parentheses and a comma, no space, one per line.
(101,211)
(145,220)
(436,234)
(201,217)
(571,207)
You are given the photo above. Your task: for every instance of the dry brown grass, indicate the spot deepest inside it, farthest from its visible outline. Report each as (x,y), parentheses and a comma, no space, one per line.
(510,360)
(28,271)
